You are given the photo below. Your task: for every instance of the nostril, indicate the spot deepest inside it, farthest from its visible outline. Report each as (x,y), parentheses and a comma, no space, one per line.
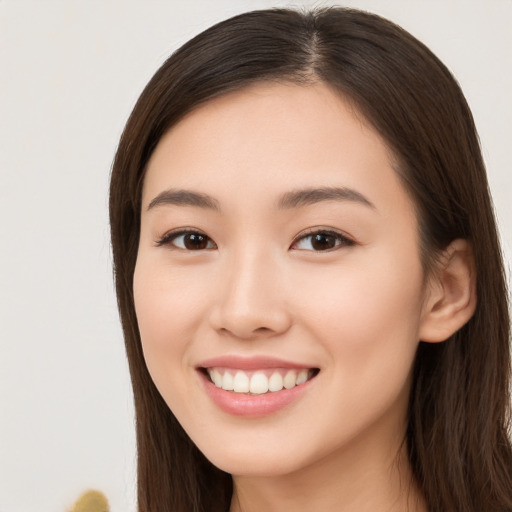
(246,332)
(262,330)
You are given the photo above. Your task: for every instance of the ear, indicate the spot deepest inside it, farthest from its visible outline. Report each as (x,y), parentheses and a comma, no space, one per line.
(451,293)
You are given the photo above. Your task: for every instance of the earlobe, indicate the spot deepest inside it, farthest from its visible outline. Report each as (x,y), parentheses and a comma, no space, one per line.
(451,293)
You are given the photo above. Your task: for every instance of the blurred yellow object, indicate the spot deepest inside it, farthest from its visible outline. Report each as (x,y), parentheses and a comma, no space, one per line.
(91,501)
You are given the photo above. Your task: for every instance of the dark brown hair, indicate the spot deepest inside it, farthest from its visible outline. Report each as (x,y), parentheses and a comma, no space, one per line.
(457,434)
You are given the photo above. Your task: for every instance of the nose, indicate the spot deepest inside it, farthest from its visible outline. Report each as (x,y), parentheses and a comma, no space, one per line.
(252,300)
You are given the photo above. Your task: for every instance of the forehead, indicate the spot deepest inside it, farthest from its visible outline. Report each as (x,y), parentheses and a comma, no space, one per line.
(271,137)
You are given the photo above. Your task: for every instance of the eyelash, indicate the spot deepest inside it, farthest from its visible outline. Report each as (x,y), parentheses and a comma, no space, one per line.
(340,240)
(169,238)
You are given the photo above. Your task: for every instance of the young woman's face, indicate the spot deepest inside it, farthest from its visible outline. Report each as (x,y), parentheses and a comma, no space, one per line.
(278,249)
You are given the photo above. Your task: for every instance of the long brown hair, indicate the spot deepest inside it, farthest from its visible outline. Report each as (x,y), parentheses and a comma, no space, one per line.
(457,435)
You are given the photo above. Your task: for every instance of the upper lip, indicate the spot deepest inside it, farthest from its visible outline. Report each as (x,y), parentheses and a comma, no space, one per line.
(251,363)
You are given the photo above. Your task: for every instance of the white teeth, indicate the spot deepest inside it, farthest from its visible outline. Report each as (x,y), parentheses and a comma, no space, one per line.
(228,382)
(275,383)
(217,378)
(258,383)
(290,379)
(241,383)
(302,377)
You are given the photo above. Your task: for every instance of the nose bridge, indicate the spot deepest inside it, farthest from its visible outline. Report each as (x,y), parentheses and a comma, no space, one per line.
(252,301)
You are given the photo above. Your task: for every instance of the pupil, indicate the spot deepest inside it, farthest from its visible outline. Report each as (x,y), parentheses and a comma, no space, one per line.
(195,241)
(322,242)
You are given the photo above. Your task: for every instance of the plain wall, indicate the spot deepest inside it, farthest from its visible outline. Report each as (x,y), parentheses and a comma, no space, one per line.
(70,74)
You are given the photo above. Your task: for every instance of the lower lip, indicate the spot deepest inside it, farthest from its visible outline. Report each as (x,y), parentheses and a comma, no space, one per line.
(240,404)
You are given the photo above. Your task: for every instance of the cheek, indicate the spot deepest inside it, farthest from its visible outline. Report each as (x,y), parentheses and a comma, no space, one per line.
(367,320)
(166,299)
(368,313)
(167,308)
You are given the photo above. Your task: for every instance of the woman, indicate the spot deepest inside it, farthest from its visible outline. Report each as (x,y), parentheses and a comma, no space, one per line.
(309,275)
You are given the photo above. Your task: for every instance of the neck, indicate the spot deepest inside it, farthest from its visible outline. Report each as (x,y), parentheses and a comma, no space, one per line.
(363,478)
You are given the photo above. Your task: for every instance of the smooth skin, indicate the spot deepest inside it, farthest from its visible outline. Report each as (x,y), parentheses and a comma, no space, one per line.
(335,283)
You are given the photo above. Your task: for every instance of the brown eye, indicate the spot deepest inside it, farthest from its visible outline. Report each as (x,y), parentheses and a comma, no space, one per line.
(188,240)
(322,241)
(195,241)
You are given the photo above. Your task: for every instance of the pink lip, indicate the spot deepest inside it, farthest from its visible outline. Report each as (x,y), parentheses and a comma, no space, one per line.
(239,404)
(250,363)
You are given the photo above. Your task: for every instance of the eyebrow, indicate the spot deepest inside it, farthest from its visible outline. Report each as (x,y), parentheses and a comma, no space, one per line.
(308,196)
(184,198)
(289,200)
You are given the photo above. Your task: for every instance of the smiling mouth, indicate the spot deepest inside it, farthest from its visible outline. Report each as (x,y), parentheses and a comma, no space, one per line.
(259,382)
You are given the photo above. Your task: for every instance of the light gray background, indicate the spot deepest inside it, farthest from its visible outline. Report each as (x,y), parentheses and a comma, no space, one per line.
(70,74)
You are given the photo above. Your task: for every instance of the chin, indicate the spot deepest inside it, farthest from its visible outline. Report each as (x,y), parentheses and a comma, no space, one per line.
(255,464)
